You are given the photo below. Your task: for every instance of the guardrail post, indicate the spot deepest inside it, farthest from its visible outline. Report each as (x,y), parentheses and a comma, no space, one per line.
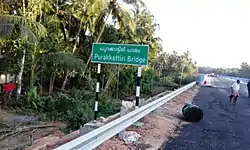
(123,112)
(125,108)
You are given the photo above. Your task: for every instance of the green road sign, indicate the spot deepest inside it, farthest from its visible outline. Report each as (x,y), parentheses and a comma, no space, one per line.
(127,54)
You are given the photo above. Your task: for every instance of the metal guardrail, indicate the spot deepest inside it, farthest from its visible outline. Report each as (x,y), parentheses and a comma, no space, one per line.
(98,136)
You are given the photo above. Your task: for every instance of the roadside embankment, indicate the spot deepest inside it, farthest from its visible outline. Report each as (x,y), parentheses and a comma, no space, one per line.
(158,127)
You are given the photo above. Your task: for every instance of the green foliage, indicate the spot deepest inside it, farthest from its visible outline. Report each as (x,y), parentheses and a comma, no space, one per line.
(10,51)
(54,39)
(71,107)
(29,29)
(108,106)
(32,97)
(76,107)
(148,79)
(127,80)
(188,79)
(168,82)
(62,61)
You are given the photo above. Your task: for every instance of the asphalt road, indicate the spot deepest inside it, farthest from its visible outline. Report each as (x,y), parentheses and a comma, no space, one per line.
(224,126)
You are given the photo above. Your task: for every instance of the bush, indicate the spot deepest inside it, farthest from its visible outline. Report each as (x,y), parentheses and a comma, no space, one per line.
(149,77)
(127,81)
(168,82)
(75,107)
(108,106)
(188,80)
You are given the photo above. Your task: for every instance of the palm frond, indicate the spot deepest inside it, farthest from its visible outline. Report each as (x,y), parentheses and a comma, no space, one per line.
(97,6)
(32,29)
(64,61)
(6,29)
(53,19)
(124,18)
(135,2)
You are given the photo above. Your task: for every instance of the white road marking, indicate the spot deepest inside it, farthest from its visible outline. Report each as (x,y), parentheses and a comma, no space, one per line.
(235,80)
(223,91)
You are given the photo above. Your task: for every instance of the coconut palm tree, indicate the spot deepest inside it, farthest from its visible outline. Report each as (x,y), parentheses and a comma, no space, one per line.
(118,13)
(30,31)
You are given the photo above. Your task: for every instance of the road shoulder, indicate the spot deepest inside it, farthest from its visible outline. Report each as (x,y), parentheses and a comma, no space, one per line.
(159,127)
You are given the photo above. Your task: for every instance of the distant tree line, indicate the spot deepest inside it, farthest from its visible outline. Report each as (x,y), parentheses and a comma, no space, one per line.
(243,71)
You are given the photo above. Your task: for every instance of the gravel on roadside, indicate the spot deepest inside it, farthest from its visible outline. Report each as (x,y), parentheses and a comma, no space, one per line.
(159,126)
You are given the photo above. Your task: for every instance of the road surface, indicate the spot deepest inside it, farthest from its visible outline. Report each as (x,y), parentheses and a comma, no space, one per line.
(224,126)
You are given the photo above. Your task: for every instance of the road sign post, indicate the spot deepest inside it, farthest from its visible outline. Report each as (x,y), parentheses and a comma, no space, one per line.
(97,90)
(124,54)
(138,88)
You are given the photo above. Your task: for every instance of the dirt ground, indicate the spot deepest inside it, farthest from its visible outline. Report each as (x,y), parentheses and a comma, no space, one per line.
(32,134)
(160,126)
(16,135)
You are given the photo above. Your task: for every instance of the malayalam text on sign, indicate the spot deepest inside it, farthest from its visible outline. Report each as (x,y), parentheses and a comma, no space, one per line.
(127,54)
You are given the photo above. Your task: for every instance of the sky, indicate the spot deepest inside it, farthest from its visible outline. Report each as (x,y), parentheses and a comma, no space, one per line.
(216,32)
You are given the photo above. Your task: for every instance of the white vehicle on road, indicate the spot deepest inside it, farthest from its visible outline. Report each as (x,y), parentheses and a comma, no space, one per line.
(204,80)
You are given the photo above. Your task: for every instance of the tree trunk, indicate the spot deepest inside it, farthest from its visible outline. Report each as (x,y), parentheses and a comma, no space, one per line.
(65,80)
(51,83)
(78,32)
(32,77)
(20,74)
(6,77)
(32,71)
(109,80)
(103,79)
